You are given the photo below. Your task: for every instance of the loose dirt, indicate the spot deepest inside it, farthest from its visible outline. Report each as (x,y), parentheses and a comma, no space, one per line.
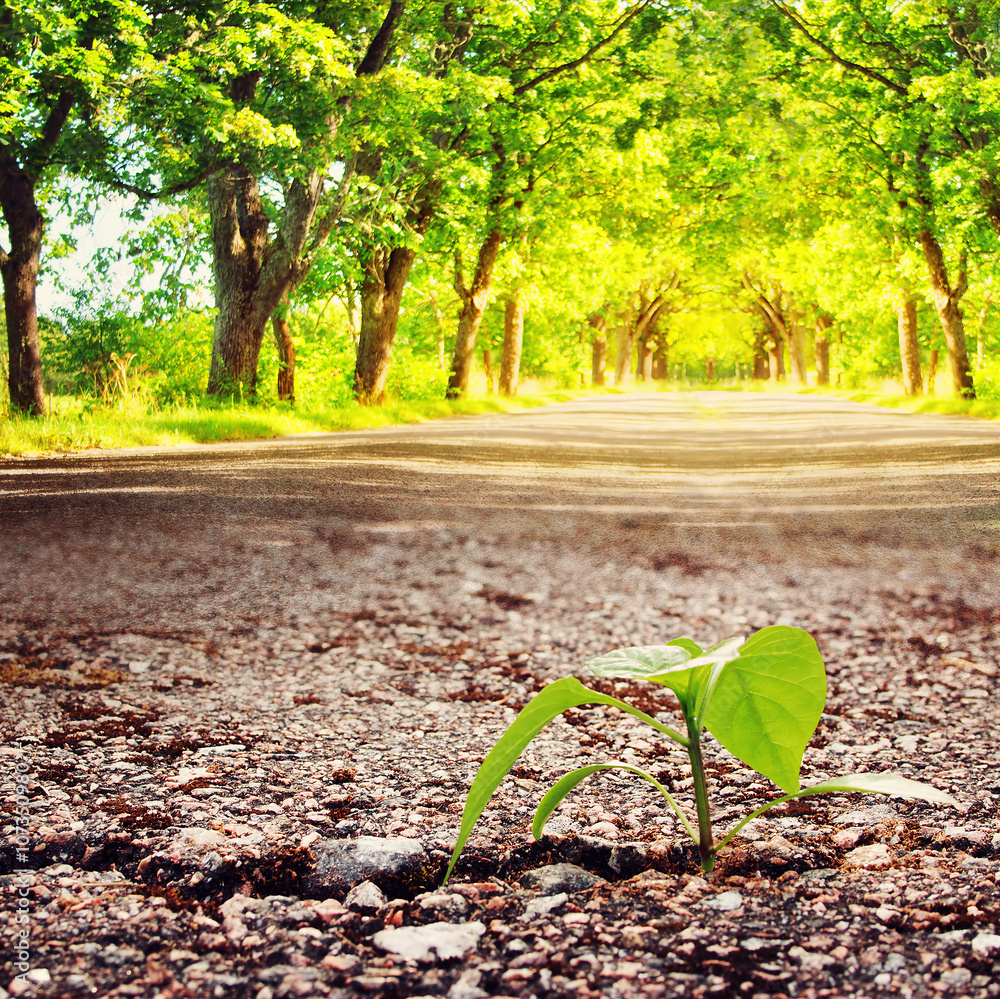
(227,672)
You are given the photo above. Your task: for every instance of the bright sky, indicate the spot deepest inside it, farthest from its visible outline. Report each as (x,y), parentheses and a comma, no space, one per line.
(108,229)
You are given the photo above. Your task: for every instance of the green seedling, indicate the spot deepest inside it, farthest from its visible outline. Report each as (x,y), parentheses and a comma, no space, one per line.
(761,697)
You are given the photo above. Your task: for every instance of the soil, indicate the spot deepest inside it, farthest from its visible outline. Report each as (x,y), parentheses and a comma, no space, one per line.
(222,667)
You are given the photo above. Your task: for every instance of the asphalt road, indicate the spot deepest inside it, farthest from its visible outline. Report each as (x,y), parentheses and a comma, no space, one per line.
(694,479)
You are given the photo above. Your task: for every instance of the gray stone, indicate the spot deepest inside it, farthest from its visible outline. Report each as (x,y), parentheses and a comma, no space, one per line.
(365,897)
(343,863)
(727,901)
(957,977)
(422,943)
(894,961)
(447,904)
(467,986)
(986,944)
(876,855)
(543,906)
(555,878)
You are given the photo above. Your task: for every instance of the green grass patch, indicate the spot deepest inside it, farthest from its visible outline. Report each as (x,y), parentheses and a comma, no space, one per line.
(77,427)
(74,427)
(983,409)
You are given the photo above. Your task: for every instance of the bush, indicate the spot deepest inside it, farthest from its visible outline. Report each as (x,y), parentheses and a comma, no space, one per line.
(987,380)
(99,355)
(114,358)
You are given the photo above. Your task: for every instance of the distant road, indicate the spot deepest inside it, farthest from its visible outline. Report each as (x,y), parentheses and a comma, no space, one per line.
(716,477)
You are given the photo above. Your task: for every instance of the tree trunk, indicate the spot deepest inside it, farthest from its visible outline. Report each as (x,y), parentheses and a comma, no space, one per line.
(286,350)
(491,385)
(19,267)
(599,348)
(823,323)
(797,353)
(251,273)
(946,301)
(659,367)
(710,369)
(760,356)
(381,296)
(932,371)
(239,235)
(909,347)
(474,302)
(624,342)
(635,326)
(644,363)
(776,357)
(513,338)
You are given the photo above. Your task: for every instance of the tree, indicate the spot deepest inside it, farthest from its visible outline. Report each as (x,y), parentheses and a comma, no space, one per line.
(907,91)
(495,127)
(59,65)
(255,274)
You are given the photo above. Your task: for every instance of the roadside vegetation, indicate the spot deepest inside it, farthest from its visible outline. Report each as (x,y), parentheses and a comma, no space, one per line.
(411,207)
(73,424)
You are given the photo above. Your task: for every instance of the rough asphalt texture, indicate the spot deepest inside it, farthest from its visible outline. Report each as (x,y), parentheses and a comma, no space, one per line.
(245,689)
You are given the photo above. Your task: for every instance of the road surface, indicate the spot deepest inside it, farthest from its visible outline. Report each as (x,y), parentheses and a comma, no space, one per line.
(697,479)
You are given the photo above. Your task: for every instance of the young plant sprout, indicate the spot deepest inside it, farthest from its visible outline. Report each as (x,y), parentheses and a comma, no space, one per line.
(761,697)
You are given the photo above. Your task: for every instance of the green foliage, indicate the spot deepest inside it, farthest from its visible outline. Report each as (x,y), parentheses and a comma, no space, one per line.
(73,426)
(610,144)
(415,376)
(761,698)
(113,357)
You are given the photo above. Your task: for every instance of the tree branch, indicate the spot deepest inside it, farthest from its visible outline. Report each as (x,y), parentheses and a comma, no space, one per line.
(322,230)
(54,123)
(840,60)
(626,20)
(375,57)
(459,282)
(163,192)
(963,277)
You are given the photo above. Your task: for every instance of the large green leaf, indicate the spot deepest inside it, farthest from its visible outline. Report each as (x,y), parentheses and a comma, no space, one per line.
(767,702)
(534,716)
(880,783)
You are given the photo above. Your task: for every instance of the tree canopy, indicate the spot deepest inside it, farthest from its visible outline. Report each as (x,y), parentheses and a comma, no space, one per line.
(418,196)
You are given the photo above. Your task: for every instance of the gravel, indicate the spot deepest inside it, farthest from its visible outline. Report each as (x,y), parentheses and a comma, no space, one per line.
(250,783)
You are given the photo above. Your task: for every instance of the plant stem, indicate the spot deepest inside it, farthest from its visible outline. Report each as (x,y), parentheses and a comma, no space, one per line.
(706,850)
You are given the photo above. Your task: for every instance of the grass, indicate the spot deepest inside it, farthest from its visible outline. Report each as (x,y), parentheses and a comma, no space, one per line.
(889,396)
(75,428)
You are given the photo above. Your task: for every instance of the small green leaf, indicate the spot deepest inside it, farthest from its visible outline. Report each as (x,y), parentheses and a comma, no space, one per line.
(553,700)
(640,663)
(680,665)
(558,791)
(767,702)
(686,643)
(668,665)
(880,783)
